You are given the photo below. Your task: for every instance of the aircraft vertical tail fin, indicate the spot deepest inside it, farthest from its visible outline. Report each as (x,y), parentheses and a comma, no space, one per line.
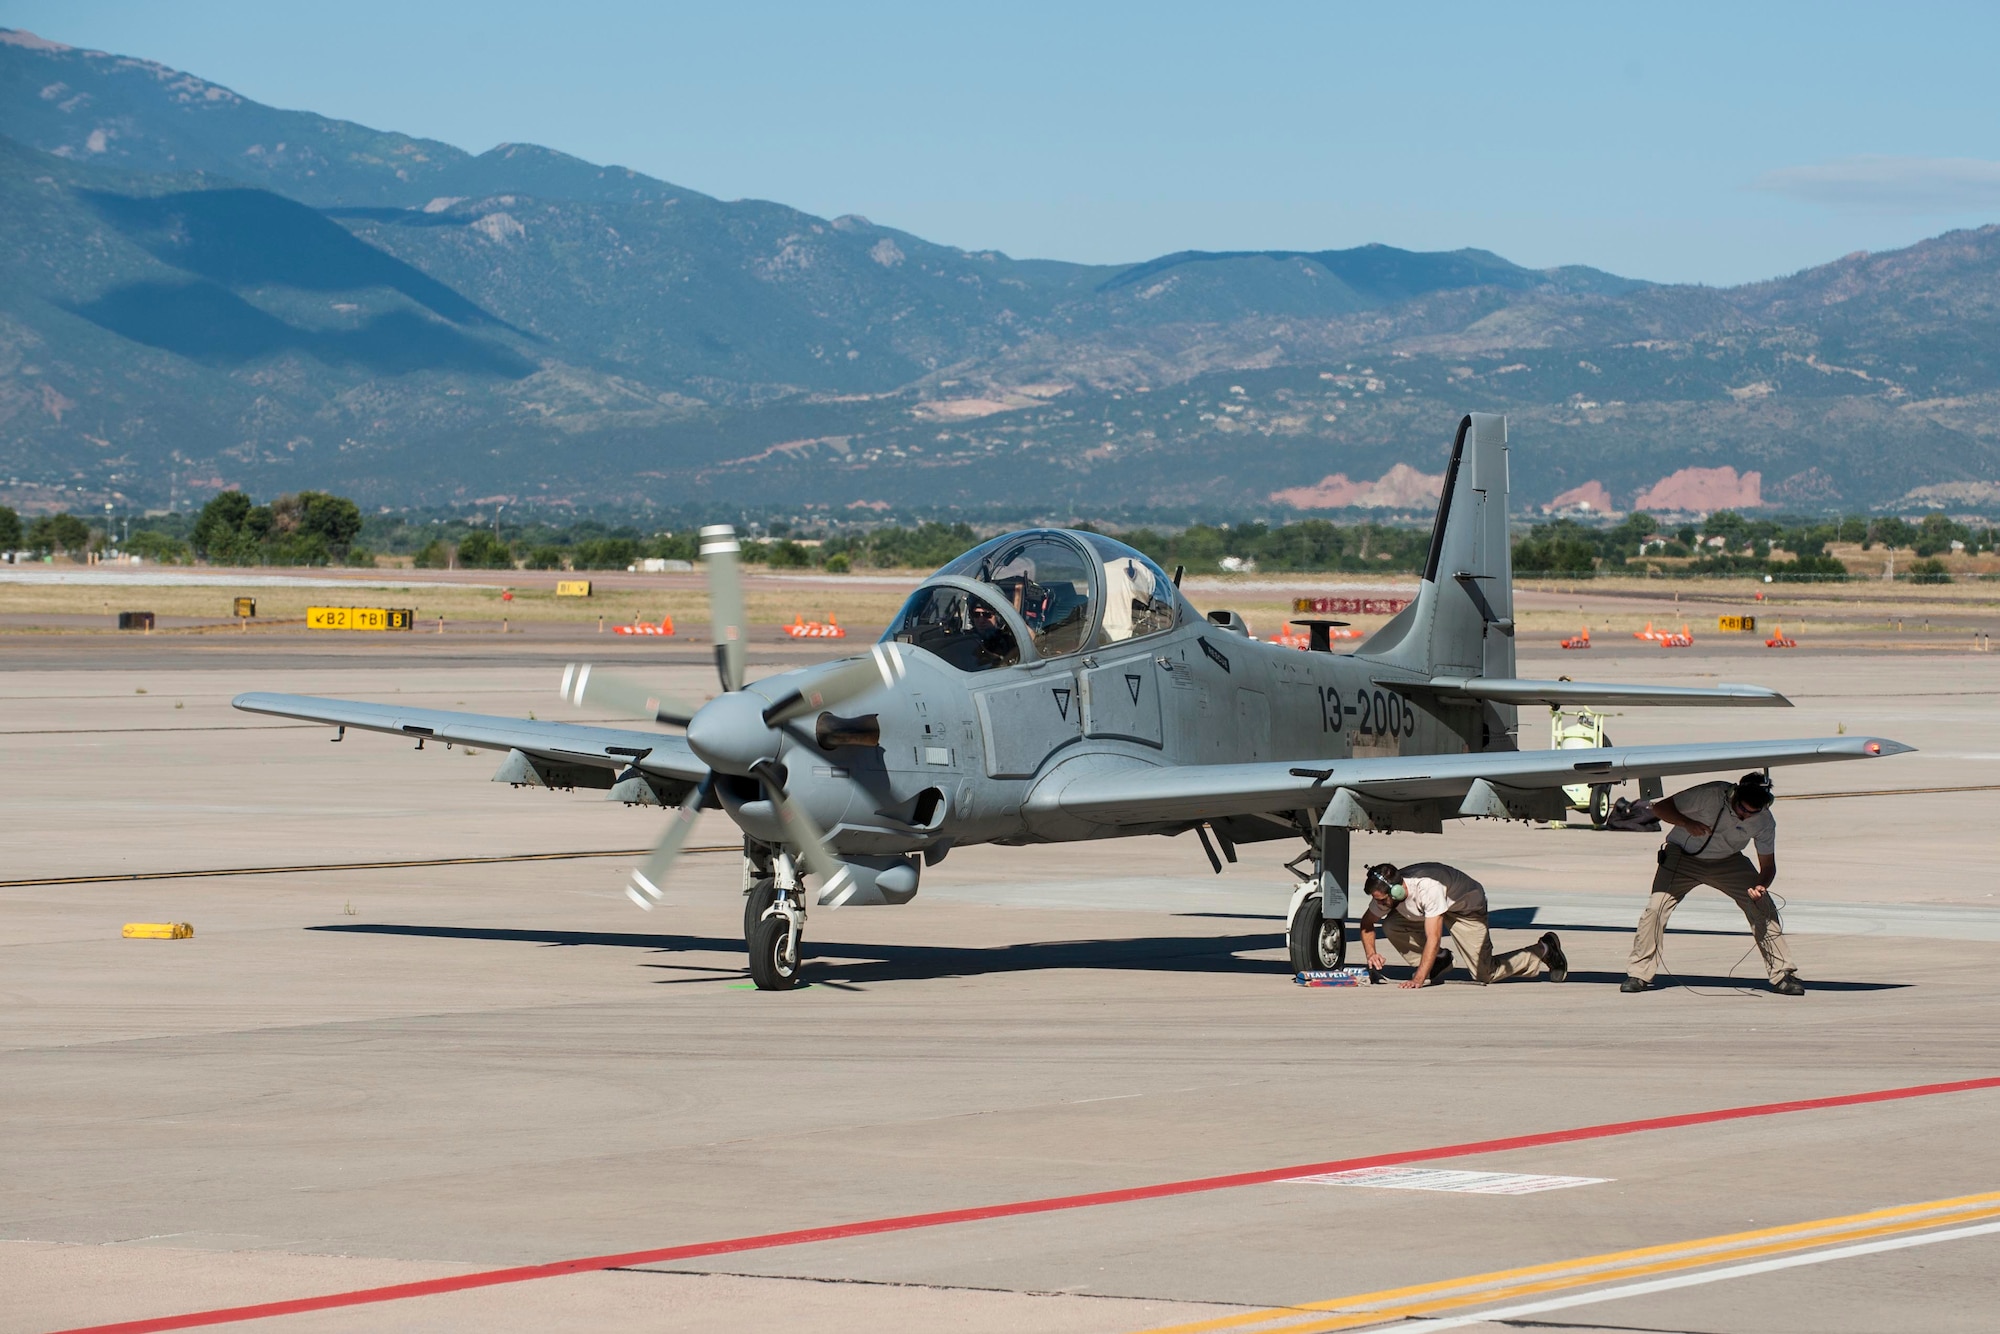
(1462,621)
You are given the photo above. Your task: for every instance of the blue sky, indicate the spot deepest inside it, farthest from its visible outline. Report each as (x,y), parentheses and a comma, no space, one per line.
(1687,142)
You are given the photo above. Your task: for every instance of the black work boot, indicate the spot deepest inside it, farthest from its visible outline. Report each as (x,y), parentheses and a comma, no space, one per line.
(1789,985)
(1632,984)
(1439,967)
(1553,956)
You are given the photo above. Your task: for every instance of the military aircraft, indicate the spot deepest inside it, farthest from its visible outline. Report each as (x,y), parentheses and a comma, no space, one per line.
(1050,686)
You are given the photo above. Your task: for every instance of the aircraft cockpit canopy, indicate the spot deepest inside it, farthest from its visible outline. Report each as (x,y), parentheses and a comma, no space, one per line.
(1053,581)
(1138,597)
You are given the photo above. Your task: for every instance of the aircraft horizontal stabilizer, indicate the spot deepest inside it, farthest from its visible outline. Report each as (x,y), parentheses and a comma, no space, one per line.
(1165,795)
(1572,693)
(566,743)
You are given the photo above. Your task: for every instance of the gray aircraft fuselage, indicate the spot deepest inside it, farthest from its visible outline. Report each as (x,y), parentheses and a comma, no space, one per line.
(961,751)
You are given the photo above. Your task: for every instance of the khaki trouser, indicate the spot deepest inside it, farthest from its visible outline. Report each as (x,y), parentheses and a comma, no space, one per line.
(1468,936)
(1676,879)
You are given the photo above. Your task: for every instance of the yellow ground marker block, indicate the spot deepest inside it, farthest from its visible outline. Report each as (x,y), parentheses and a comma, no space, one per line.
(158,930)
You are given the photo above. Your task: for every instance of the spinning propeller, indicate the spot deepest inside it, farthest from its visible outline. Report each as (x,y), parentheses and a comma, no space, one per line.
(738,733)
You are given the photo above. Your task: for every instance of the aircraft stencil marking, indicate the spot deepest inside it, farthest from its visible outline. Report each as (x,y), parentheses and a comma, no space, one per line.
(828,770)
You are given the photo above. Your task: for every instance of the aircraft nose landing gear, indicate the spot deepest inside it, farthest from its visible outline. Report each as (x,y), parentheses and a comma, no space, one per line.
(774,920)
(1317,938)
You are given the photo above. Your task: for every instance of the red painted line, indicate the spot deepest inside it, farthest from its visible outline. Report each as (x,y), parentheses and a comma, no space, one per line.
(944,1218)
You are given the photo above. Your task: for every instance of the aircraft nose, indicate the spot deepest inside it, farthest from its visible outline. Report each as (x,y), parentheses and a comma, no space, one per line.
(728,733)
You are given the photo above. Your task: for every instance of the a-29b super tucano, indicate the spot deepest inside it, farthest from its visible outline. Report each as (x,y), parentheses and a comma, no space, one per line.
(1051,686)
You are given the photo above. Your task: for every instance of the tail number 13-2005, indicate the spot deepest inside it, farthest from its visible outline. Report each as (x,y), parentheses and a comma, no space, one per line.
(1375,711)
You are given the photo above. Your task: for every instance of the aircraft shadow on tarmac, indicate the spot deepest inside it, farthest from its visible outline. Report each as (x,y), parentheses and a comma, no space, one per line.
(849,964)
(1500,919)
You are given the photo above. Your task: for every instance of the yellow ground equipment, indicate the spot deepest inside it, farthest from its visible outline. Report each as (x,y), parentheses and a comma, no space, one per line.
(158,931)
(1582,729)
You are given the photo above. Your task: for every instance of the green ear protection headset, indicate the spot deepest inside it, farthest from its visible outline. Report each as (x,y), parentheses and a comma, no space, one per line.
(1380,874)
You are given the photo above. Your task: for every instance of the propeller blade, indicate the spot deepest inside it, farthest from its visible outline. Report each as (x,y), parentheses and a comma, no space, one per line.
(582,684)
(725,601)
(647,879)
(836,881)
(883,666)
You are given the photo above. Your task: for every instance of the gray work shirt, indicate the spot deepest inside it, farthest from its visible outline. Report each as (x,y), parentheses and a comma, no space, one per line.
(1709,803)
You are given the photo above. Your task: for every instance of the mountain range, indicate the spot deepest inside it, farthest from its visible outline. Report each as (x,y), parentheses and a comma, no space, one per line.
(199,291)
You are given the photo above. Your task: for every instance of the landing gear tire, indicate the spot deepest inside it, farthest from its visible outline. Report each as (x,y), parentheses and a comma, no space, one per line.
(768,968)
(755,902)
(1600,806)
(1316,943)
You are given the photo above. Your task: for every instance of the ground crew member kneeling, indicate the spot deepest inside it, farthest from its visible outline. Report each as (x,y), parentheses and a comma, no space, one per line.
(1712,824)
(1420,905)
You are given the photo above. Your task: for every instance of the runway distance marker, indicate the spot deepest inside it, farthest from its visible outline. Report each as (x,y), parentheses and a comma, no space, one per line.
(1014,1209)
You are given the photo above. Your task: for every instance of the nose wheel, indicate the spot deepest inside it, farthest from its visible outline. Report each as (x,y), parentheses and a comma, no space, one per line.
(774,921)
(775,950)
(1315,941)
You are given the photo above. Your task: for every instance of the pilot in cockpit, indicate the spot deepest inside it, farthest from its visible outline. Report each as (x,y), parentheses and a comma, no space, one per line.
(1016,578)
(996,641)
(1131,597)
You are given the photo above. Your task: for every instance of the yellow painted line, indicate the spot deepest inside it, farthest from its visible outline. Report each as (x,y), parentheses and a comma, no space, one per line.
(1452,1294)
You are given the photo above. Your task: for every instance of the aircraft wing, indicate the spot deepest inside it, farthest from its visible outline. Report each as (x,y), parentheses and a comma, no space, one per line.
(1163,795)
(1503,691)
(567,743)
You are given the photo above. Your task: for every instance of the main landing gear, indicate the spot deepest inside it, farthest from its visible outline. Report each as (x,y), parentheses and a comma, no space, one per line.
(1317,937)
(774,918)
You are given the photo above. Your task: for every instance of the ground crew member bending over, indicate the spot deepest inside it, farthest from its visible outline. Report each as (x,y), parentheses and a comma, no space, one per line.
(1419,905)
(1712,824)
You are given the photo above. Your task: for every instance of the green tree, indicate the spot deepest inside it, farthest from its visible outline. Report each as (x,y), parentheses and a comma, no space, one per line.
(160,548)
(219,523)
(10,529)
(481,550)
(1731,527)
(335,518)
(1936,534)
(545,558)
(1929,572)
(788,555)
(1817,567)
(1892,532)
(59,532)
(672,546)
(1557,548)
(606,553)
(294,548)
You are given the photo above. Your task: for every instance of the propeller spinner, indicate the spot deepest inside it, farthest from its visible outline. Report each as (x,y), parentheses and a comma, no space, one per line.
(736,733)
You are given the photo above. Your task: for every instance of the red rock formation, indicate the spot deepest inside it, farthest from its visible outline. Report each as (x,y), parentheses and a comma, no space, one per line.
(1402,487)
(1592,495)
(1703,489)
